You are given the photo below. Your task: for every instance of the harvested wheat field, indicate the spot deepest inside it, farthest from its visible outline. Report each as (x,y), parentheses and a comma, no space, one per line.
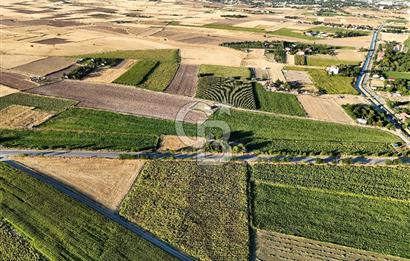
(8,61)
(46,66)
(16,80)
(17,116)
(174,143)
(300,77)
(123,99)
(185,81)
(272,246)
(324,109)
(4,90)
(111,74)
(106,181)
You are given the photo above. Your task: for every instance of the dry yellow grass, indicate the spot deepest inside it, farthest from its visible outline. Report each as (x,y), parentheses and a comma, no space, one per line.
(324,109)
(174,143)
(17,116)
(4,90)
(107,181)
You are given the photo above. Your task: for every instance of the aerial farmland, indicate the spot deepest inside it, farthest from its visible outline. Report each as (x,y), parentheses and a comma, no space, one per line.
(204,130)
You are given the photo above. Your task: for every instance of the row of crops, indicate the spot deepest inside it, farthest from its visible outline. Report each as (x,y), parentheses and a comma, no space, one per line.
(63,229)
(208,211)
(361,207)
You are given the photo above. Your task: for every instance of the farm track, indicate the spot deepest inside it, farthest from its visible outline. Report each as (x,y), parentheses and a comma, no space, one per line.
(109,214)
(122,99)
(185,81)
(16,80)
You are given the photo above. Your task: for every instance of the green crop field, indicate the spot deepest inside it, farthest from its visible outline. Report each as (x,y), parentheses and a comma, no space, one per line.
(324,62)
(278,102)
(331,84)
(159,78)
(87,120)
(407,43)
(398,75)
(14,246)
(60,228)
(40,102)
(292,33)
(233,92)
(225,71)
(233,28)
(201,209)
(329,29)
(389,182)
(276,134)
(370,223)
(138,73)
(91,129)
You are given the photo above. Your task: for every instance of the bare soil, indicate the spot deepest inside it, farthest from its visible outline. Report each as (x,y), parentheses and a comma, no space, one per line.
(16,80)
(324,109)
(298,76)
(52,41)
(107,181)
(123,99)
(185,81)
(272,246)
(174,143)
(46,66)
(17,116)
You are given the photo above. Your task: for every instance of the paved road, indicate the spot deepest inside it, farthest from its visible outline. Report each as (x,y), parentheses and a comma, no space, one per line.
(5,153)
(100,209)
(362,86)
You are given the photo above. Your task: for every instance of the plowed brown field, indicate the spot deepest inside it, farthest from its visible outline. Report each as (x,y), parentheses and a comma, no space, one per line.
(123,99)
(185,81)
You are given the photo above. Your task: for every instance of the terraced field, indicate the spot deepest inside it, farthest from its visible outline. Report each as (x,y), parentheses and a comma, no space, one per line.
(201,209)
(361,207)
(227,90)
(60,228)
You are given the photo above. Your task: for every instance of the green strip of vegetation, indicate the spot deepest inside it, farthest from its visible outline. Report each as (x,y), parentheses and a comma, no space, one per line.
(63,229)
(398,75)
(55,139)
(390,182)
(318,61)
(225,71)
(40,102)
(288,32)
(407,43)
(138,73)
(233,28)
(14,246)
(329,29)
(162,75)
(275,134)
(276,102)
(331,84)
(201,209)
(374,224)
(87,120)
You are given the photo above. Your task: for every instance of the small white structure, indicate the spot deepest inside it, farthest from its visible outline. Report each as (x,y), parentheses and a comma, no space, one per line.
(334,70)
(362,121)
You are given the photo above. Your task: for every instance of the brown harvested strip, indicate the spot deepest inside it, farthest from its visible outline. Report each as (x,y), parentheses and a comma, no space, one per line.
(16,80)
(46,66)
(123,99)
(17,116)
(185,81)
(277,246)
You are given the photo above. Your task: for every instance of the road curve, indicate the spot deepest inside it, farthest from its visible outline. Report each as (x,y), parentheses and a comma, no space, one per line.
(100,209)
